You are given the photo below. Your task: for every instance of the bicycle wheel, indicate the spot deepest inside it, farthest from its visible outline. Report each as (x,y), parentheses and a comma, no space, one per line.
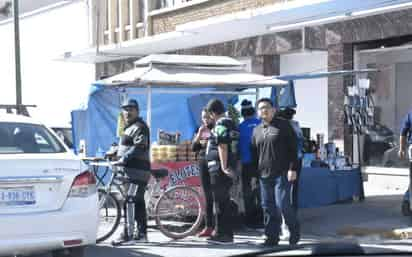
(109,213)
(179,212)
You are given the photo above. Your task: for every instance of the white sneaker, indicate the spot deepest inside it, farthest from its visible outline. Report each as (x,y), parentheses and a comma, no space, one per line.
(285,235)
(122,241)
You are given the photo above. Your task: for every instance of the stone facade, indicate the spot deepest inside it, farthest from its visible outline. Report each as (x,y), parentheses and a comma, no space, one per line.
(340,57)
(269,44)
(166,22)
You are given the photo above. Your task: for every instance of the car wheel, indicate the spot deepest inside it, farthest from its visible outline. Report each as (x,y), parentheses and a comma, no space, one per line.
(69,252)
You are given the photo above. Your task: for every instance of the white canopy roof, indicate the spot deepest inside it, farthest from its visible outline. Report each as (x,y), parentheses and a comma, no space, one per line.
(190,71)
(184,60)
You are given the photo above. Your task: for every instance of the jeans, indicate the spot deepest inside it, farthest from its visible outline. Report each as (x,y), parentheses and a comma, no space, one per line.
(224,216)
(295,186)
(276,201)
(140,208)
(206,186)
(407,196)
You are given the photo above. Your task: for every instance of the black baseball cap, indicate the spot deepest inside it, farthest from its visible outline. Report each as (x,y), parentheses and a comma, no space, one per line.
(130,103)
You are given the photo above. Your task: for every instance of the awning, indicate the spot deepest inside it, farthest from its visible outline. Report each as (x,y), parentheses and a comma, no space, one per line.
(280,17)
(316,75)
(190,71)
(169,73)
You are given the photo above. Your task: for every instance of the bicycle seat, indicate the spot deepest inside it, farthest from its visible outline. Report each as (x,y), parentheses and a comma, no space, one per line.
(159,173)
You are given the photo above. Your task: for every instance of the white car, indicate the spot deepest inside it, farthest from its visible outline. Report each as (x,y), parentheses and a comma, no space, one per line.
(48,199)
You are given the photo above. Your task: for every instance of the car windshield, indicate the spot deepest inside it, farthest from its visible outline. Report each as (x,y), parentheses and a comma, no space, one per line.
(19,138)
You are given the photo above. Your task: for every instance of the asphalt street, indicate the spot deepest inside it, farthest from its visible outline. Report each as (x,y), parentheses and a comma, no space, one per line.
(374,224)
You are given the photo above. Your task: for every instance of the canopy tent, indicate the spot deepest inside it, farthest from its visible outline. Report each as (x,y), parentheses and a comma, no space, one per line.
(190,71)
(167,88)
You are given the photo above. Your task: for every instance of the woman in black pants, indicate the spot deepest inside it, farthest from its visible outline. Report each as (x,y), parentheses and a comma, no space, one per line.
(199,145)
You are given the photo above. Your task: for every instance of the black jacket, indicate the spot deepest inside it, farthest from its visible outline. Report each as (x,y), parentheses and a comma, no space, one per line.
(224,132)
(134,146)
(274,148)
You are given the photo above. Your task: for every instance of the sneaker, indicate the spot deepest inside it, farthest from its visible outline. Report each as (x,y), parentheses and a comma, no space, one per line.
(294,238)
(141,238)
(284,233)
(220,239)
(122,240)
(270,243)
(206,232)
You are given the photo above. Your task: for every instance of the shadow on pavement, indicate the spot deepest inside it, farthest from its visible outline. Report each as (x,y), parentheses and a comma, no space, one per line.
(108,251)
(190,244)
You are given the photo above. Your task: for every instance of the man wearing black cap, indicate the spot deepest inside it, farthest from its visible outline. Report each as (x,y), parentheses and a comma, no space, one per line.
(133,154)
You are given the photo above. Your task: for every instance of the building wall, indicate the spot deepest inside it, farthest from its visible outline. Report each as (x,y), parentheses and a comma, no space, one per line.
(55,87)
(311,112)
(167,22)
(338,39)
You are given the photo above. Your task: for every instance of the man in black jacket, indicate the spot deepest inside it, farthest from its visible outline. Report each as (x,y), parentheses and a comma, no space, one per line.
(221,162)
(274,152)
(133,155)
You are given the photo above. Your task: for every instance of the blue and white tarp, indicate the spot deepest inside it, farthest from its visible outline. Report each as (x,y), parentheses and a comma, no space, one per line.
(97,124)
(172,112)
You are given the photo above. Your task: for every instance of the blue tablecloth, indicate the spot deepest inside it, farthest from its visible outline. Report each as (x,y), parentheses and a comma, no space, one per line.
(321,186)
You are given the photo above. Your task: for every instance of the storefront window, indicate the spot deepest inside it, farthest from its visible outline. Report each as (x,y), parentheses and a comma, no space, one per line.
(389,95)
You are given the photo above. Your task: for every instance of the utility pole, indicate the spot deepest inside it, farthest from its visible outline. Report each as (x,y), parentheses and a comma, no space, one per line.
(17,55)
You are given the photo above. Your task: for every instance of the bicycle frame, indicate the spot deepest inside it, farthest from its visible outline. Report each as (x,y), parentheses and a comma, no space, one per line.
(153,193)
(111,171)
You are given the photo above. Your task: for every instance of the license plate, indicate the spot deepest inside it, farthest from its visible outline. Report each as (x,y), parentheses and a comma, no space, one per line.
(17,196)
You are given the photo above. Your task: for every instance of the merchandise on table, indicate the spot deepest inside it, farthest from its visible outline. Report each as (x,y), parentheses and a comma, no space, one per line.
(172,153)
(318,154)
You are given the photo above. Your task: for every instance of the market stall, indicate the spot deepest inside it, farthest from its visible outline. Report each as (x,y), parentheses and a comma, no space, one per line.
(171,91)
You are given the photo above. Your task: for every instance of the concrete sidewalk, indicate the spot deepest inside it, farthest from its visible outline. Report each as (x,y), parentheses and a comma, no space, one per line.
(376,218)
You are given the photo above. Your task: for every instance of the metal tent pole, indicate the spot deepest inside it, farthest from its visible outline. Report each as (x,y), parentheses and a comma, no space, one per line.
(149,105)
(17,55)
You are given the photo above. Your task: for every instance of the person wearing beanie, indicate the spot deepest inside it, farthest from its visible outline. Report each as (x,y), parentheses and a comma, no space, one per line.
(248,172)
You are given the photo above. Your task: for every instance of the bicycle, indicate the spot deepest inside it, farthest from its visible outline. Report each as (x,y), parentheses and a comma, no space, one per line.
(177,211)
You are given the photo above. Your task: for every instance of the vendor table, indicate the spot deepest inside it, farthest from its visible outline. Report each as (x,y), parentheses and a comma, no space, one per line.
(321,186)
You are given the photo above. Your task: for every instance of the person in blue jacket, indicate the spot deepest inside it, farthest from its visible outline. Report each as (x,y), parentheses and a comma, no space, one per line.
(404,140)
(249,171)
